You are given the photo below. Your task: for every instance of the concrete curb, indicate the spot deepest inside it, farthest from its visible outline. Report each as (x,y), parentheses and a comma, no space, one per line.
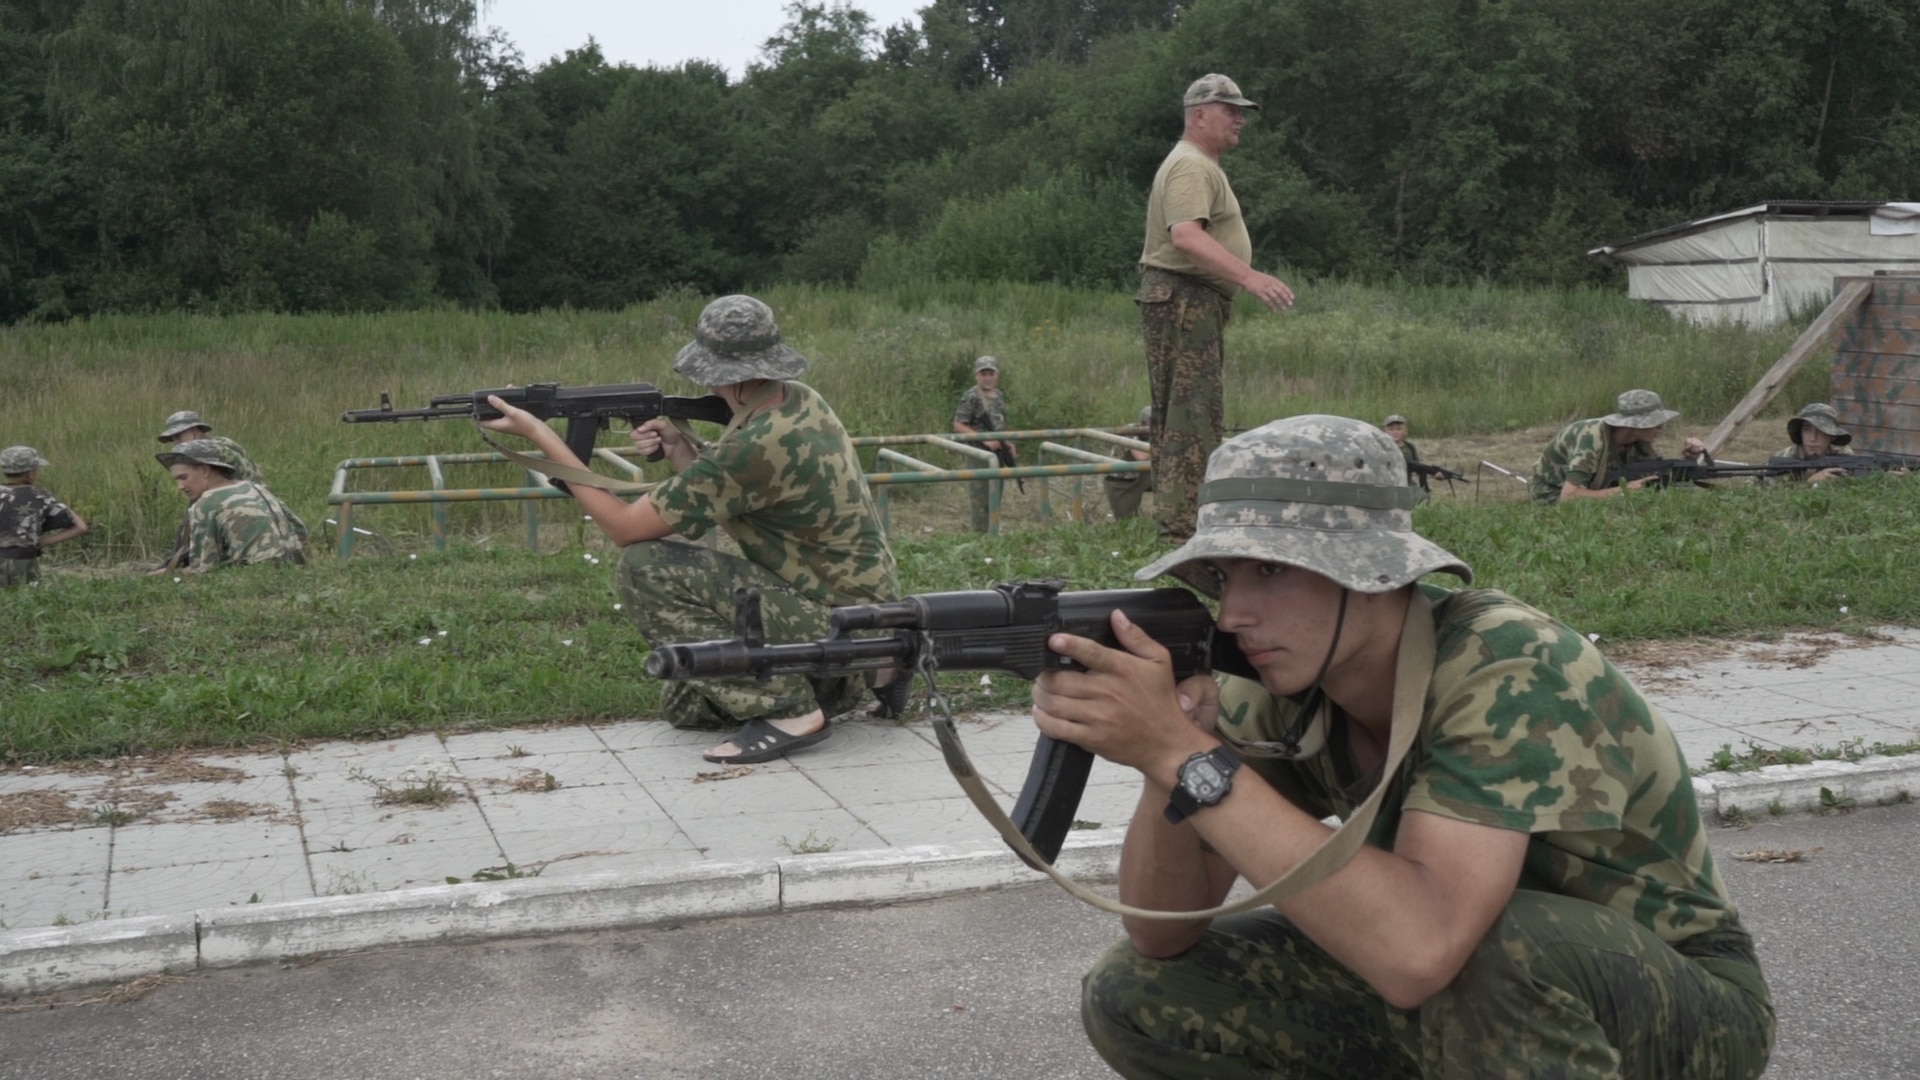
(41,961)
(1796,788)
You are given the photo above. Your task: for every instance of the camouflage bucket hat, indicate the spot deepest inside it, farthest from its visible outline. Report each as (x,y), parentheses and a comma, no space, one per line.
(1324,493)
(1823,416)
(15,460)
(735,340)
(1215,87)
(181,421)
(196,452)
(986,363)
(1639,409)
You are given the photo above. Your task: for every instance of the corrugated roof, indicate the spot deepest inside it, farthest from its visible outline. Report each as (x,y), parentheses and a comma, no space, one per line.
(1774,208)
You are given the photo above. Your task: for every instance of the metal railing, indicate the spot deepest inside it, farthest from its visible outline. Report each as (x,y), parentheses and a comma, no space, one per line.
(1074,461)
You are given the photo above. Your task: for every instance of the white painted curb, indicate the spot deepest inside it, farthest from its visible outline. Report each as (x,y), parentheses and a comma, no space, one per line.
(43,960)
(1871,781)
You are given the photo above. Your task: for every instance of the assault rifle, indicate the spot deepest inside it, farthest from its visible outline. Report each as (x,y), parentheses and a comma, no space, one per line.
(1002,629)
(1419,472)
(586,409)
(1705,470)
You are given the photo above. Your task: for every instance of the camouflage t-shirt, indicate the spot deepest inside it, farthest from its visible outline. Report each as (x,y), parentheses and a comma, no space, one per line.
(240,524)
(787,486)
(982,411)
(1527,727)
(1584,453)
(27,513)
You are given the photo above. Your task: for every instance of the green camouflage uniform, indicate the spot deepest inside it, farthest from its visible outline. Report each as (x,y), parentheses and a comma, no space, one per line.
(243,524)
(1619,956)
(1584,453)
(981,410)
(27,513)
(1125,490)
(788,487)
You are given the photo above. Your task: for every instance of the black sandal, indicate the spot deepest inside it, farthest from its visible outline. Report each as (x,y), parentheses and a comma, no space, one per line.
(760,741)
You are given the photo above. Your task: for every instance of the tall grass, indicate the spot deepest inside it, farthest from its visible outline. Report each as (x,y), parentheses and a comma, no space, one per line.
(91,395)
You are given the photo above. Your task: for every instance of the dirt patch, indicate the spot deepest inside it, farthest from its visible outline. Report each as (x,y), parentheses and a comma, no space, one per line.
(43,808)
(183,770)
(1656,663)
(235,810)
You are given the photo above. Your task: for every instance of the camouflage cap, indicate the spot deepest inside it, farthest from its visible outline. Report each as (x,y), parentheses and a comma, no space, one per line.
(197,452)
(1396,418)
(1324,493)
(1823,416)
(1146,415)
(735,340)
(1215,87)
(15,460)
(1639,409)
(182,421)
(986,363)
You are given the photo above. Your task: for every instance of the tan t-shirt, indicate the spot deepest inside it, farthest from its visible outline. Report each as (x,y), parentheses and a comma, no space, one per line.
(1191,186)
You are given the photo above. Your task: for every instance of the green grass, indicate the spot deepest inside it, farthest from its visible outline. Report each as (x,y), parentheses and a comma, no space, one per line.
(94,665)
(92,394)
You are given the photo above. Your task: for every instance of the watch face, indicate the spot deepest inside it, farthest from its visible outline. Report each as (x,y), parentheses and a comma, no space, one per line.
(1204,781)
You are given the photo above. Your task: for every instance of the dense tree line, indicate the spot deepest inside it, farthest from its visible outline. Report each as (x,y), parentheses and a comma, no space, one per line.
(301,155)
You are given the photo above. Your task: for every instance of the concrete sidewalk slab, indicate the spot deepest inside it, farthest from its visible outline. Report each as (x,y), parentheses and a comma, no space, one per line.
(234,857)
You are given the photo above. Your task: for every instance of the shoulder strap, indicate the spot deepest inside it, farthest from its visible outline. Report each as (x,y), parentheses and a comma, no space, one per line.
(1413,672)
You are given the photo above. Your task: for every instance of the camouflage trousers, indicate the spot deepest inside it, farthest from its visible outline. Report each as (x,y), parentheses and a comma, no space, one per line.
(1559,988)
(19,572)
(677,592)
(1124,492)
(1184,322)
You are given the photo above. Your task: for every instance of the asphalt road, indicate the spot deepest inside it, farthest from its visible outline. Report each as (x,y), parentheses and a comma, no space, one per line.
(975,986)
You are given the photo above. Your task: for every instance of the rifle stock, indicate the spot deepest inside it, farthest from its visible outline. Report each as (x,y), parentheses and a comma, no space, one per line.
(586,409)
(1002,629)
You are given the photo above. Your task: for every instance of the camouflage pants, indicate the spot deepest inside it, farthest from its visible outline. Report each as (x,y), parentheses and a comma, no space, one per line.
(1124,492)
(676,592)
(979,504)
(1184,322)
(19,572)
(1559,988)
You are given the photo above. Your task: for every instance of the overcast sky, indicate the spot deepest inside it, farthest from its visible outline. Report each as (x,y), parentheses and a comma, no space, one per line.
(660,32)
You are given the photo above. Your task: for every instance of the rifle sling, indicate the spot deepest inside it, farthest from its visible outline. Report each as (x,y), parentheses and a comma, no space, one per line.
(588,478)
(1413,671)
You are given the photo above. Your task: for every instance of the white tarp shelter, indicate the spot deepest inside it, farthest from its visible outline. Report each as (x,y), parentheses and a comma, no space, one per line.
(1765,263)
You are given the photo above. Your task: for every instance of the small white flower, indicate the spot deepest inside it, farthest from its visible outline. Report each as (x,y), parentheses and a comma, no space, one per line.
(986,680)
(616,607)
(566,641)
(989,558)
(176,581)
(443,633)
(1593,638)
(413,556)
(587,555)
(1115,554)
(1843,609)
(426,641)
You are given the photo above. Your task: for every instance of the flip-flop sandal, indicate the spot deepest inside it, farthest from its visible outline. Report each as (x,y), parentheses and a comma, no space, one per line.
(760,741)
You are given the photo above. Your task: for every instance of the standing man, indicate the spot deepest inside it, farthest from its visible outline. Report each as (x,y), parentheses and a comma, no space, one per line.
(31,519)
(983,408)
(1535,897)
(785,483)
(230,521)
(1396,429)
(1576,463)
(1197,257)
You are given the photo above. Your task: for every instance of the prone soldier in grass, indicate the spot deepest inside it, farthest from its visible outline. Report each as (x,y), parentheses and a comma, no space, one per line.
(1536,896)
(785,483)
(1576,463)
(1816,433)
(31,518)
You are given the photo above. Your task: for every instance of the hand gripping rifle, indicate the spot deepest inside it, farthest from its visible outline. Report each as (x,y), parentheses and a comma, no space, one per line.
(586,409)
(1420,472)
(1705,470)
(1001,629)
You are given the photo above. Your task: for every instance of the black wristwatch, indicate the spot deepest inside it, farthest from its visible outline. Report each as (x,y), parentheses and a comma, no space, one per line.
(1205,779)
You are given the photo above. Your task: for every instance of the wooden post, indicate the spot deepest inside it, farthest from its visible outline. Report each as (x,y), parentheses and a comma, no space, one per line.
(1816,336)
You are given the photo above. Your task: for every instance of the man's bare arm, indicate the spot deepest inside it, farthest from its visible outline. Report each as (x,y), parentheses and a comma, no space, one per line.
(1194,241)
